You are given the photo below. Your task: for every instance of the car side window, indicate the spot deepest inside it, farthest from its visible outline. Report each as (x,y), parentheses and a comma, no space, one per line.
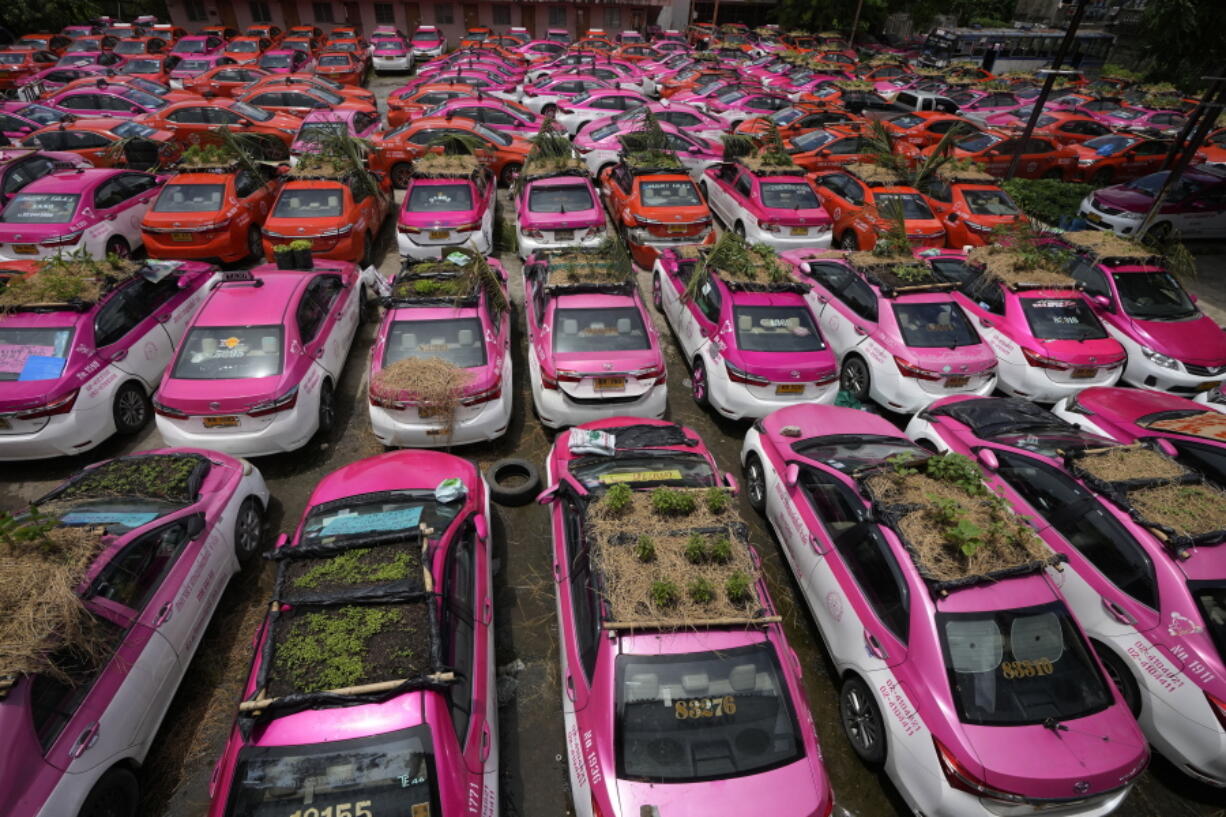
(860,299)
(54,701)
(79,102)
(828,501)
(584,600)
(853,191)
(460,582)
(135,573)
(311,314)
(109,194)
(832,276)
(1091,278)
(744,186)
(872,564)
(190,116)
(115,319)
(709,301)
(221,116)
(27,172)
(246,183)
(136,183)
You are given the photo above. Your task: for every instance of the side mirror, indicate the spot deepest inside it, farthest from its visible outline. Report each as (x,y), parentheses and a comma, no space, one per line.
(1101,300)
(987,458)
(730,481)
(792,475)
(482,527)
(1165,446)
(282,541)
(1195,298)
(547,496)
(953,218)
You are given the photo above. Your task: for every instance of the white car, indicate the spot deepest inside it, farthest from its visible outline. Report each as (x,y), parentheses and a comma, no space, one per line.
(428,42)
(551,94)
(685,118)
(595,105)
(601,147)
(779,209)
(1194,208)
(391,55)
(257,370)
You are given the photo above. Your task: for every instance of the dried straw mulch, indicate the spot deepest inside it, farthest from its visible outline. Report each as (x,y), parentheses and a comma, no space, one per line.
(1106,244)
(1011,268)
(1131,462)
(1189,510)
(445,166)
(429,382)
(874,174)
(60,280)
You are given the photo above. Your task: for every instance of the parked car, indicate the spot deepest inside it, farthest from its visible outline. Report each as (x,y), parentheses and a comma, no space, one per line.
(224,81)
(395,151)
(446,207)
(256,371)
(655,206)
(20,166)
(1042,158)
(684,118)
(428,743)
(1065,127)
(829,148)
(1194,208)
(925,654)
(247,49)
(587,107)
(341,214)
(411,102)
(198,45)
(865,201)
(556,209)
(284,60)
(496,114)
(318,126)
(427,42)
(971,205)
(196,123)
(104,142)
(189,67)
(392,55)
(80,372)
(924,128)
(601,147)
(1116,158)
(110,100)
(775,206)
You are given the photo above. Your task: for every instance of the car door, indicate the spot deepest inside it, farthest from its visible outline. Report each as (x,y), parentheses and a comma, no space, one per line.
(189,124)
(578,606)
(254,192)
(129,329)
(840,305)
(1202,215)
(468,616)
(138,190)
(699,318)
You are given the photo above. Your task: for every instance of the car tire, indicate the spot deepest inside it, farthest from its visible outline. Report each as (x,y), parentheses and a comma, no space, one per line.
(657,293)
(116,794)
(512,481)
(368,251)
(130,408)
(401,173)
(739,229)
(1053,174)
(248,529)
(255,244)
(1102,176)
(327,408)
(854,377)
(1159,232)
(862,722)
(507,177)
(1121,676)
(700,385)
(755,483)
(848,241)
(118,245)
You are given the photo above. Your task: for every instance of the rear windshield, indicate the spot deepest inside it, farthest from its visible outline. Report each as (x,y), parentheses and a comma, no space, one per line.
(41,114)
(1153,296)
(303,203)
(776,329)
(1015,667)
(560,199)
(33,353)
(319,131)
(40,208)
(334,59)
(599,330)
(703,716)
(1062,319)
(669,194)
(194,65)
(439,198)
(244,47)
(190,46)
(459,341)
(789,196)
(933,325)
(251,111)
(1110,145)
(600,134)
(12,58)
(189,198)
(141,67)
(425,36)
(391,47)
(978,142)
(990,203)
(229,353)
(276,60)
(812,140)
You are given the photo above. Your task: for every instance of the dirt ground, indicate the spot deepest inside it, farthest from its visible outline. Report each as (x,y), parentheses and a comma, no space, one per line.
(534,781)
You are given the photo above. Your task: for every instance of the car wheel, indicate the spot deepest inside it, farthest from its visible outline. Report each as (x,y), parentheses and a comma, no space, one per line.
(1121,676)
(368,251)
(401,173)
(755,483)
(327,408)
(657,293)
(848,241)
(1102,176)
(855,378)
(698,383)
(255,245)
(507,177)
(862,721)
(1054,173)
(1159,232)
(739,229)
(131,408)
(549,110)
(116,794)
(248,529)
(512,481)
(118,245)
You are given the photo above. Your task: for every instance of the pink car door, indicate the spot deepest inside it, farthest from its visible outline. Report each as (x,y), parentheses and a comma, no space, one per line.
(323,322)
(468,622)
(580,621)
(700,316)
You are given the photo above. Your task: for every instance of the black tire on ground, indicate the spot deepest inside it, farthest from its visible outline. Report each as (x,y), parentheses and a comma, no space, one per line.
(513,481)
(130,408)
(327,408)
(861,720)
(401,173)
(848,241)
(248,529)
(1159,232)
(118,245)
(700,385)
(116,794)
(755,483)
(855,377)
(739,229)
(509,171)
(255,244)
(1121,676)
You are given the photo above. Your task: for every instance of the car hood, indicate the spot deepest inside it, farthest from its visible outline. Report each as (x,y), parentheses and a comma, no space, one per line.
(1199,340)
(222,396)
(1134,201)
(792,791)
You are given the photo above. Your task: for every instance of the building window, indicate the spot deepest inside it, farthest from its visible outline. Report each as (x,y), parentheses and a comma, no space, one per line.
(323,13)
(385,14)
(443,14)
(557,16)
(612,19)
(195,11)
(260,12)
(502,15)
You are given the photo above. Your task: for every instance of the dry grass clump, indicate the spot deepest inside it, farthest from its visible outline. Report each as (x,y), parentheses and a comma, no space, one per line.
(1189,510)
(875,174)
(774,161)
(428,382)
(539,166)
(1106,244)
(65,279)
(1131,462)
(608,264)
(1209,424)
(445,166)
(852,85)
(1013,267)
(667,555)
(965,171)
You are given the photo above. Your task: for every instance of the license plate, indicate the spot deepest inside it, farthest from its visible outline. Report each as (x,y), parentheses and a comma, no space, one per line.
(790,388)
(1206,386)
(1083,373)
(5,425)
(610,383)
(800,231)
(678,228)
(956,382)
(564,235)
(435,432)
(25,249)
(437,234)
(180,236)
(1094,217)
(220,422)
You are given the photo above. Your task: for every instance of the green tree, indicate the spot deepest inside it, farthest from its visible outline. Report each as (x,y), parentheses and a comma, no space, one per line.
(1182,41)
(26,16)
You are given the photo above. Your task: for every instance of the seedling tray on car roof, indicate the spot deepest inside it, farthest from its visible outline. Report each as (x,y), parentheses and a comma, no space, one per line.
(446,166)
(1106,247)
(548,167)
(874,175)
(75,283)
(1016,270)
(1179,506)
(574,271)
(760,166)
(894,275)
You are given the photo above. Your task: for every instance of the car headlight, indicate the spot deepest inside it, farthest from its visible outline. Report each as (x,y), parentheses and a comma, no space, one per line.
(1159,359)
(1085,162)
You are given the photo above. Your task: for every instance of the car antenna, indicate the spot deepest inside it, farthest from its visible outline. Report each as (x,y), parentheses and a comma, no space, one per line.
(1054,725)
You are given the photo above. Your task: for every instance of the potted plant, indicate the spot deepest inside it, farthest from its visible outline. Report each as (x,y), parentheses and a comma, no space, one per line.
(284,256)
(300,249)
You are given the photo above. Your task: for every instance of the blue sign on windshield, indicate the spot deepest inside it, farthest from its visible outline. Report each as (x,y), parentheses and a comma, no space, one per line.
(128,520)
(399,519)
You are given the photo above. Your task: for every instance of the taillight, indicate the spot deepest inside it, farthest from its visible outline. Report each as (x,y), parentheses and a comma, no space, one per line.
(1041,362)
(62,240)
(827,378)
(534,233)
(740,376)
(61,406)
(405,228)
(484,396)
(167,411)
(548,381)
(766,226)
(594,230)
(273,406)
(1218,707)
(958,777)
(908,369)
(657,372)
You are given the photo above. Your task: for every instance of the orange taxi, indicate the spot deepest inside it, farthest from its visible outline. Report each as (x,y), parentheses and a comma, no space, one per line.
(227,81)
(196,122)
(301,100)
(108,142)
(339,216)
(655,208)
(395,151)
(289,81)
(924,128)
(343,66)
(246,49)
(861,201)
(273,33)
(829,148)
(971,207)
(400,109)
(799,118)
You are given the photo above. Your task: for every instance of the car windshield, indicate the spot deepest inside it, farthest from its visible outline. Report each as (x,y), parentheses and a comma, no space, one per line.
(618,329)
(912,205)
(244,47)
(932,325)
(812,140)
(276,60)
(40,208)
(848,452)
(567,198)
(425,36)
(41,114)
(190,46)
(334,59)
(786,116)
(251,111)
(1016,667)
(34,353)
(1198,423)
(193,65)
(1128,114)
(990,203)
(600,134)
(301,202)
(392,773)
(12,58)
(118,516)
(1062,319)
(703,716)
(230,353)
(776,329)
(1154,296)
(643,468)
(189,198)
(906,120)
(460,341)
(1109,145)
(977,142)
(440,198)
(669,194)
(320,131)
(130,129)
(141,67)
(789,196)
(375,514)
(389,47)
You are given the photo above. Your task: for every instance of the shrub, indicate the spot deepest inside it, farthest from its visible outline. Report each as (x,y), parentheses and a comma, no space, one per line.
(717,500)
(737,588)
(701,592)
(645,550)
(696,549)
(721,550)
(663,593)
(618,498)
(1049,200)
(669,502)
(958,470)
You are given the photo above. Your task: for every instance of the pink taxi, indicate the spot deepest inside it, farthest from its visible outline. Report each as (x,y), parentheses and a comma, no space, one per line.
(446,210)
(555,210)
(413,732)
(775,206)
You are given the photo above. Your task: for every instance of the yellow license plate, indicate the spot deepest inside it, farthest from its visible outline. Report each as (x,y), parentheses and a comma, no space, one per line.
(25,249)
(4,424)
(610,383)
(1094,217)
(1083,373)
(956,382)
(180,236)
(790,388)
(678,228)
(564,235)
(1211,384)
(220,422)
(437,234)
(800,231)
(435,432)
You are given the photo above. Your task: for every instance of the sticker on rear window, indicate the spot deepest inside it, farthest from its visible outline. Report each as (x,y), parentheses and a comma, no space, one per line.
(696,708)
(42,367)
(399,519)
(13,357)
(640,476)
(128,520)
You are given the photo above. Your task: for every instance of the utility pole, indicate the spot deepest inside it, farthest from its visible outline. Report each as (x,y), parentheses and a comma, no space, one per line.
(855,23)
(1204,108)
(715,18)
(1048,82)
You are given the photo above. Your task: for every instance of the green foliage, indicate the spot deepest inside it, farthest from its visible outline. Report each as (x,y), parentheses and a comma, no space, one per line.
(701,591)
(1178,259)
(958,470)
(720,550)
(738,588)
(717,499)
(327,650)
(280,249)
(670,502)
(696,549)
(645,549)
(618,498)
(158,476)
(300,244)
(1182,41)
(1048,200)
(351,567)
(663,593)
(30,530)
(911,273)
(902,464)
(737,145)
